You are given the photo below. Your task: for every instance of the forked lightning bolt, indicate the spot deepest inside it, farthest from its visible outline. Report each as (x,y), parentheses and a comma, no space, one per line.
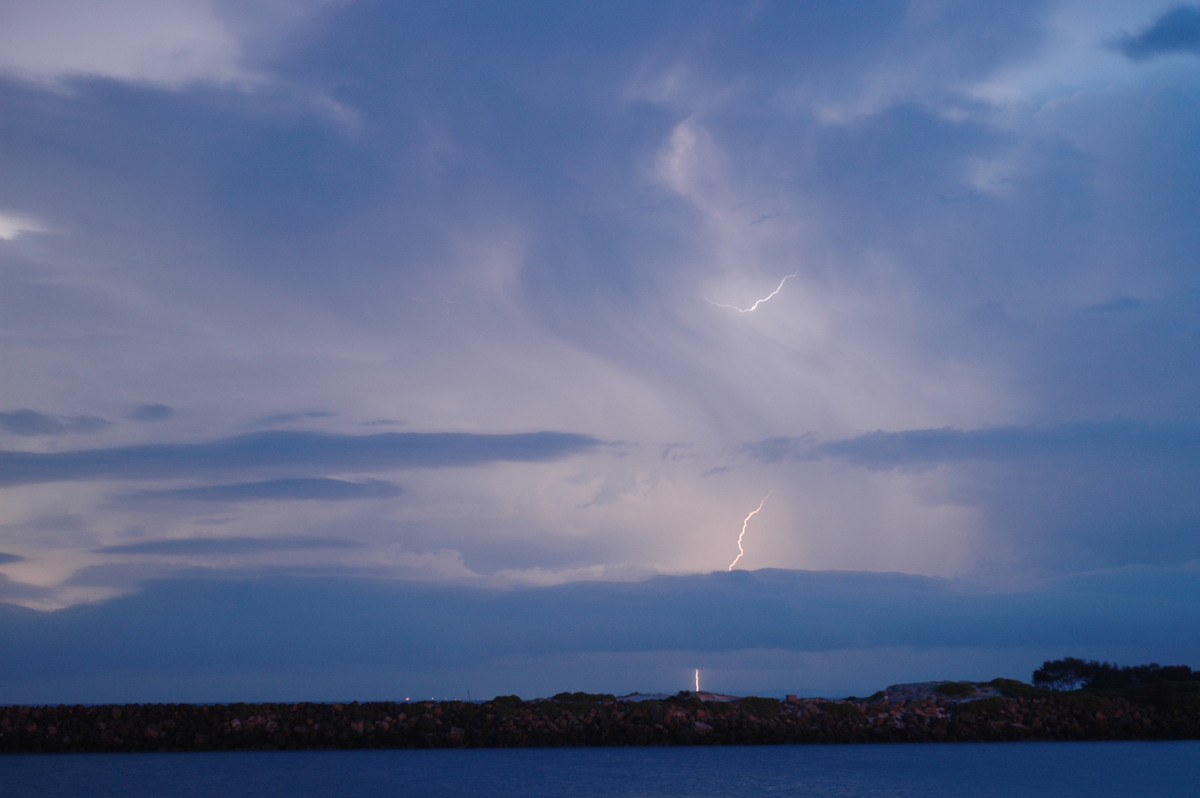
(756,304)
(745,523)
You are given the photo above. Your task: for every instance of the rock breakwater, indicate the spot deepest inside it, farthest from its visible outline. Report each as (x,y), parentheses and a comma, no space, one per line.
(582,720)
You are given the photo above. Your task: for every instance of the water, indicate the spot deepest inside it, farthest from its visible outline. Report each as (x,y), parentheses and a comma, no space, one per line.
(818,771)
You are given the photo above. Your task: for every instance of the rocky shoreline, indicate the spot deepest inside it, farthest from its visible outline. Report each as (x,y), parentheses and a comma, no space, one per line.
(970,713)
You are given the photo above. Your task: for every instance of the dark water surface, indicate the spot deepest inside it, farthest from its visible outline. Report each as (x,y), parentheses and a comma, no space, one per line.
(929,770)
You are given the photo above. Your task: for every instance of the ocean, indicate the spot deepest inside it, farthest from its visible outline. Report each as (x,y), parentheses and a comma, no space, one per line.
(1156,769)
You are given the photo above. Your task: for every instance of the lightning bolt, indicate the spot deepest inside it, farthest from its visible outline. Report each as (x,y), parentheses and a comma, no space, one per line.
(753,307)
(745,523)
(697,680)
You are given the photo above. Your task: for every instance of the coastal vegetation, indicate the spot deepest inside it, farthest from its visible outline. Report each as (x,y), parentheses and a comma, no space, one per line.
(1072,673)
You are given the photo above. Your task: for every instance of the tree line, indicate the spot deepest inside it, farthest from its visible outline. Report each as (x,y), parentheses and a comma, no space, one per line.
(1072,673)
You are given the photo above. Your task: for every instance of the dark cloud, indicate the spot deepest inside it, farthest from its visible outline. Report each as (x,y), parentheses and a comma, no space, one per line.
(11,590)
(1069,496)
(129,575)
(1162,443)
(1176,31)
(7,558)
(318,624)
(289,452)
(31,422)
(49,531)
(85,424)
(222,546)
(784,447)
(315,489)
(152,412)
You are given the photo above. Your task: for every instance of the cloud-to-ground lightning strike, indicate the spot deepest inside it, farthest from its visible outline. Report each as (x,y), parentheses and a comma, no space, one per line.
(778,288)
(697,680)
(745,523)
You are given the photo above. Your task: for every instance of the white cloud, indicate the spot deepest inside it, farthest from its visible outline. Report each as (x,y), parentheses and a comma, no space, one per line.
(13,225)
(167,43)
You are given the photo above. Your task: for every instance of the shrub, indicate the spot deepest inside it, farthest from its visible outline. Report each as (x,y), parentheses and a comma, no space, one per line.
(762,707)
(507,700)
(1011,688)
(584,698)
(993,705)
(838,709)
(955,689)
(1179,696)
(1089,703)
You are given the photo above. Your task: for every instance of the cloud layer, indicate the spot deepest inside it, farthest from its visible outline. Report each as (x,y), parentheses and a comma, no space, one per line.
(288,452)
(224,546)
(316,630)
(318,489)
(31,422)
(293,287)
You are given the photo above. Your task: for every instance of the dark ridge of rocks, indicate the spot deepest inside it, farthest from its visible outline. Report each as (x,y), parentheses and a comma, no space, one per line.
(597,721)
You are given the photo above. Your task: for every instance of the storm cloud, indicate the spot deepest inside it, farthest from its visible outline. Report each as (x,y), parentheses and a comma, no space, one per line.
(973,396)
(329,625)
(1170,445)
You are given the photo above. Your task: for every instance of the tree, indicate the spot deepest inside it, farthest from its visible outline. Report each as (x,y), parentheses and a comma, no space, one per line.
(1069,673)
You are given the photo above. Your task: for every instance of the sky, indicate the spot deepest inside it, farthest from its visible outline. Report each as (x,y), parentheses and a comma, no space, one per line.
(362,350)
